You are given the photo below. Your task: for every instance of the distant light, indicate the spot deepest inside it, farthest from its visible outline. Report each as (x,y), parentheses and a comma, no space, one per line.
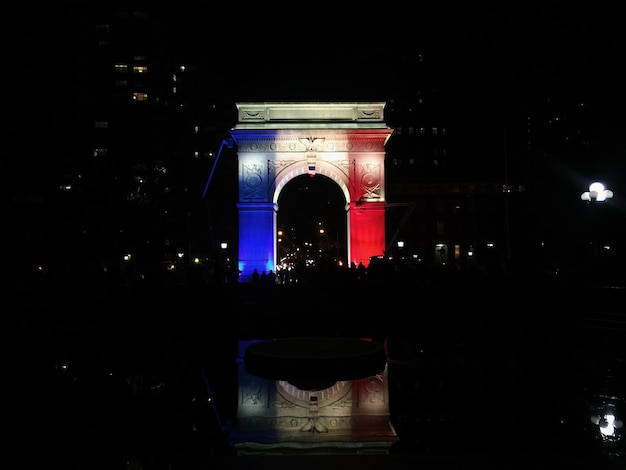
(224,245)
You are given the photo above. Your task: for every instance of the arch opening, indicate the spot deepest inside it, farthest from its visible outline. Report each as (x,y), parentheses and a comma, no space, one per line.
(312,226)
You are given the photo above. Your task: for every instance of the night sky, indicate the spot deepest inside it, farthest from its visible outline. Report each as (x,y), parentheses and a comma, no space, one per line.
(508,48)
(489,57)
(504,51)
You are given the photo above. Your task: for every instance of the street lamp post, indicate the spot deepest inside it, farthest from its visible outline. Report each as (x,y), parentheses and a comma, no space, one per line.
(597,193)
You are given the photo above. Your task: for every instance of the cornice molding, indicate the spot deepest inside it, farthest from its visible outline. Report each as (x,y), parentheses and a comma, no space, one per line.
(284,114)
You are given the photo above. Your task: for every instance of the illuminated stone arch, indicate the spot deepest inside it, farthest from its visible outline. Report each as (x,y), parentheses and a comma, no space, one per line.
(277,142)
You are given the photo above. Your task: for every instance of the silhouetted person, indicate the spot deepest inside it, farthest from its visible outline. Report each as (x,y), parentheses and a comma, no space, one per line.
(255,275)
(361,271)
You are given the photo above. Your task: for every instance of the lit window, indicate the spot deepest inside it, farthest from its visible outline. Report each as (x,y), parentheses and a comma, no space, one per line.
(196,154)
(422,131)
(140,96)
(140,68)
(434,131)
(121,68)
(99,152)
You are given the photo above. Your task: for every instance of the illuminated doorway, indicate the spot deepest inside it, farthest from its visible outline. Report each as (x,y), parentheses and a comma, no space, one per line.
(278,142)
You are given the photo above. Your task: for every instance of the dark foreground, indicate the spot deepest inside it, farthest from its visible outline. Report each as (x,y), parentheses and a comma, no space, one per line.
(481,375)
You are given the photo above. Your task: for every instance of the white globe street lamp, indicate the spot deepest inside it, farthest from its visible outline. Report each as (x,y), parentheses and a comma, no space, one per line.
(596,193)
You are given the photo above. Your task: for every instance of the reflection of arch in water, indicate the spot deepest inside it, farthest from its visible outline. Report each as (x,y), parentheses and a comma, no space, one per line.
(278,142)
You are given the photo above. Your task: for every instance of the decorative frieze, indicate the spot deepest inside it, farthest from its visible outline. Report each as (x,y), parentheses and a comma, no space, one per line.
(294,143)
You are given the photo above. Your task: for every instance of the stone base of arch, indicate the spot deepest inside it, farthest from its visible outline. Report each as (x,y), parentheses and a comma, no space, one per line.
(367,231)
(257,232)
